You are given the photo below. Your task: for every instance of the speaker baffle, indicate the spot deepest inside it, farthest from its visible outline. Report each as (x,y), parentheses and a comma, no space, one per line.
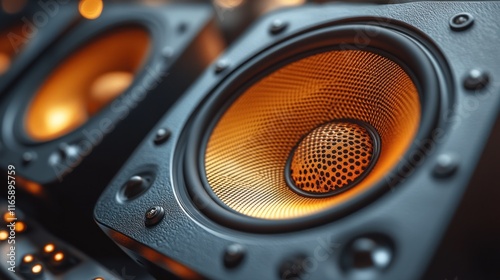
(86,81)
(271,128)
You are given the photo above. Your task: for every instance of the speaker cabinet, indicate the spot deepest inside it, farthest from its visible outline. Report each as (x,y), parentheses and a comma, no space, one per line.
(83,105)
(26,33)
(331,141)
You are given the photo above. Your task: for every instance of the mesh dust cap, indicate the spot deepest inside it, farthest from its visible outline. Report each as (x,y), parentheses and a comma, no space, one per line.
(332,158)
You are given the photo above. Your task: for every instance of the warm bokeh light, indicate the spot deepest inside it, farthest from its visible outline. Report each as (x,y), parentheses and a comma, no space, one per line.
(58,257)
(49,248)
(98,278)
(28,258)
(86,81)
(228,4)
(13,6)
(4,62)
(270,5)
(3,235)
(107,87)
(90,9)
(7,217)
(29,186)
(37,269)
(20,226)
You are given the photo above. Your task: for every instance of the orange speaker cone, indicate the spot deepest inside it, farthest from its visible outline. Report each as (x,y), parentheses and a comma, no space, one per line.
(107,87)
(300,107)
(85,82)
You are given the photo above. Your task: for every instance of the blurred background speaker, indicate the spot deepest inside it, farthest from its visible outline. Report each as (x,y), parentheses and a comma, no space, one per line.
(26,30)
(82,90)
(332,141)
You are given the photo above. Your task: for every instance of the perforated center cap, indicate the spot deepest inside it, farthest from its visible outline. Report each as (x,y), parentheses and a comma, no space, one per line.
(332,158)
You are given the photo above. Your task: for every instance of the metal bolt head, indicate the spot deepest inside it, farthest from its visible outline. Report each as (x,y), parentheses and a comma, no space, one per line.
(68,151)
(28,157)
(476,79)
(133,187)
(151,213)
(292,268)
(446,165)
(461,21)
(367,253)
(221,65)
(161,136)
(154,215)
(135,181)
(277,26)
(234,255)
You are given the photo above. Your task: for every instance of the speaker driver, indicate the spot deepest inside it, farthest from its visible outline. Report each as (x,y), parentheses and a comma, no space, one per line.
(280,110)
(312,135)
(86,81)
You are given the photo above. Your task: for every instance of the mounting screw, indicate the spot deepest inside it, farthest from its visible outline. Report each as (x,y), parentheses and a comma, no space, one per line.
(221,65)
(154,215)
(234,254)
(446,165)
(277,26)
(68,151)
(28,157)
(161,136)
(292,268)
(462,21)
(476,79)
(134,186)
(368,253)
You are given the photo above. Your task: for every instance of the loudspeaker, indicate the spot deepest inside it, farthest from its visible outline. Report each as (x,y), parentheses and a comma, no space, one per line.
(26,30)
(83,105)
(331,141)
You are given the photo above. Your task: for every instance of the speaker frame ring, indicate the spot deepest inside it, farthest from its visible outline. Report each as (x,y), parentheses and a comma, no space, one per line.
(148,25)
(410,54)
